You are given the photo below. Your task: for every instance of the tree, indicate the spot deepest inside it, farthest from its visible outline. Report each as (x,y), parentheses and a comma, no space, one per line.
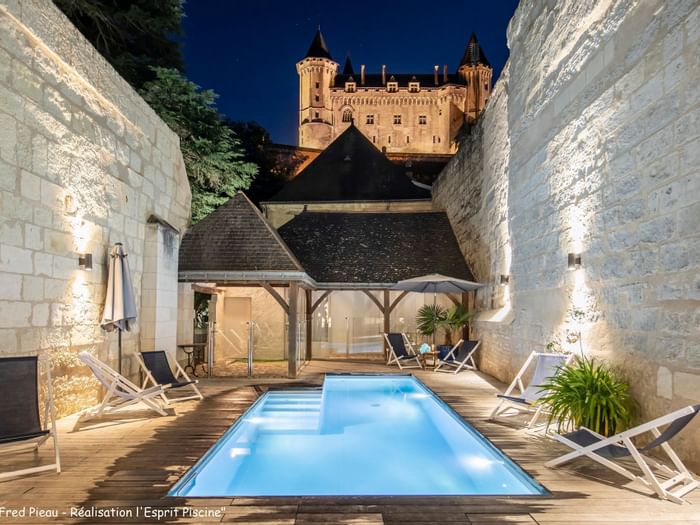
(133,35)
(212,153)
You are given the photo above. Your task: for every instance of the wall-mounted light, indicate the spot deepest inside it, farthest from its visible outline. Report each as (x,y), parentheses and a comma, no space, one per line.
(85,261)
(504,279)
(574,261)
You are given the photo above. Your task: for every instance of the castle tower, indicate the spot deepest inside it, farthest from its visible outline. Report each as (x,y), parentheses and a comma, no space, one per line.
(476,71)
(317,71)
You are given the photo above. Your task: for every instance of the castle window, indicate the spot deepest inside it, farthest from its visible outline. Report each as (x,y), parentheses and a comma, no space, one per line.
(392,87)
(413,87)
(408,139)
(374,139)
(350,87)
(317,98)
(317,85)
(422,120)
(486,87)
(317,114)
(397,119)
(389,139)
(370,119)
(347,115)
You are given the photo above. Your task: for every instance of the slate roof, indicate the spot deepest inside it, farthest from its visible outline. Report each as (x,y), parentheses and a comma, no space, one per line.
(235,237)
(474,54)
(351,168)
(318,47)
(375,79)
(374,247)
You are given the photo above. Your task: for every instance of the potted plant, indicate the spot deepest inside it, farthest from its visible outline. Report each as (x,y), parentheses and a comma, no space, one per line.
(591,395)
(430,319)
(455,319)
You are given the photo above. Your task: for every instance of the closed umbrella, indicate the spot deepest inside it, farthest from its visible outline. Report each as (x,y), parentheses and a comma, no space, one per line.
(120,307)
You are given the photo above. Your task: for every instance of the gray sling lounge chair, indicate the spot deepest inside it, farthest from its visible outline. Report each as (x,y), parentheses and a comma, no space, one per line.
(20,426)
(398,352)
(546,366)
(587,443)
(460,356)
(157,371)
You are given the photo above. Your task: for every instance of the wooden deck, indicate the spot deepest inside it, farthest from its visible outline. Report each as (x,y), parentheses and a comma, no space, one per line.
(129,464)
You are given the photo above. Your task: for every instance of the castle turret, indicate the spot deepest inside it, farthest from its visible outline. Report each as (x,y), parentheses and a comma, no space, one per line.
(317,71)
(476,71)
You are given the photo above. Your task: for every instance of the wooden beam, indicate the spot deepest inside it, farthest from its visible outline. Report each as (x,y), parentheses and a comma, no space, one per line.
(319,300)
(206,289)
(452,298)
(387,320)
(309,321)
(277,296)
(465,303)
(292,330)
(396,301)
(374,300)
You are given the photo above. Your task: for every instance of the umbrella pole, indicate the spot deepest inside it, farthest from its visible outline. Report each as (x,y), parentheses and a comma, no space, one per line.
(120,350)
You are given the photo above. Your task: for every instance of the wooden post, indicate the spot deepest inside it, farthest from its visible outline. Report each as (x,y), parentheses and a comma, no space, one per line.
(292,330)
(465,303)
(309,322)
(387,320)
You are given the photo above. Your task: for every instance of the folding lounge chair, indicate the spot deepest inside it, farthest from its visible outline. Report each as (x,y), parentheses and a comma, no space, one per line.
(546,366)
(156,369)
(20,427)
(399,354)
(604,450)
(460,356)
(120,391)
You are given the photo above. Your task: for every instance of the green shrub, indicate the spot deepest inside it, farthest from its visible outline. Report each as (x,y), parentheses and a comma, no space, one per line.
(591,395)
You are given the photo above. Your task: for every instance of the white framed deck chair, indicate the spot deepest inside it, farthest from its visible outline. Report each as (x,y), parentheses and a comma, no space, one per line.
(20,424)
(157,371)
(679,480)
(546,366)
(401,351)
(121,392)
(460,356)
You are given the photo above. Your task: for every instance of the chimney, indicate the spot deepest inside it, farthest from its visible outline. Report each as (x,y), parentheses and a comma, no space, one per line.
(362,75)
(436,74)
(383,74)
(444,74)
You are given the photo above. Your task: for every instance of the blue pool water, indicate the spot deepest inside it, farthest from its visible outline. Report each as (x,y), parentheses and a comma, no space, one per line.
(359,435)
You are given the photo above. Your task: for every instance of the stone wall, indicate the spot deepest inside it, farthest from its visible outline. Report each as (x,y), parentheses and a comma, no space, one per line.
(84,163)
(591,144)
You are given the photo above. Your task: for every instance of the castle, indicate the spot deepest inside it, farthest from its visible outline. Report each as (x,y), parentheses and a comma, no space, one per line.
(399,113)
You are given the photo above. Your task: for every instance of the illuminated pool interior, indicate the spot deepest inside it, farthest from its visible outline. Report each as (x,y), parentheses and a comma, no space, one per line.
(358,435)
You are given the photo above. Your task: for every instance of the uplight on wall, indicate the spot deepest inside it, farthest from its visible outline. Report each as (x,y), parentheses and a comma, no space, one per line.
(504,279)
(85,261)
(574,261)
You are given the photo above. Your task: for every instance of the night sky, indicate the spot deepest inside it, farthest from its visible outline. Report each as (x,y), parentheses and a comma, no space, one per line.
(247,51)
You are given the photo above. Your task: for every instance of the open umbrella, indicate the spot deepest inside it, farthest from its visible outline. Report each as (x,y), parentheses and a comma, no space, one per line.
(120,307)
(436,283)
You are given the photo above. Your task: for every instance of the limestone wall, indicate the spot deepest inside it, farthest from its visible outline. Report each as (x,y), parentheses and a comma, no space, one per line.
(591,144)
(84,163)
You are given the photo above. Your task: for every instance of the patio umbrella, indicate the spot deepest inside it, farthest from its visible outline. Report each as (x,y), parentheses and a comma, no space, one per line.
(436,283)
(120,307)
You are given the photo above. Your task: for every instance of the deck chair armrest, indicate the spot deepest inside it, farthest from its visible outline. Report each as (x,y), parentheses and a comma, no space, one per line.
(155,390)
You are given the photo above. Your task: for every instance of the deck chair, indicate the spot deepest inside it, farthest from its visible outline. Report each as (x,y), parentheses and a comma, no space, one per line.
(120,391)
(546,366)
(20,426)
(157,371)
(587,443)
(401,352)
(460,356)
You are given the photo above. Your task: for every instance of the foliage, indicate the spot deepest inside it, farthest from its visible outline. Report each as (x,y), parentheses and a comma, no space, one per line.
(133,35)
(430,317)
(591,395)
(455,318)
(277,164)
(201,309)
(211,151)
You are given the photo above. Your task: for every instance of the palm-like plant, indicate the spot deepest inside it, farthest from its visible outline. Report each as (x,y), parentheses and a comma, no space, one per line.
(430,318)
(455,318)
(591,395)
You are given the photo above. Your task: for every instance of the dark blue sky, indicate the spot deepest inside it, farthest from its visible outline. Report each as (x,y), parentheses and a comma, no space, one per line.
(247,51)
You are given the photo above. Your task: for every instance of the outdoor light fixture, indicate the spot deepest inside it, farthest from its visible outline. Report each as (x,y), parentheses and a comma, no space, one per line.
(504,279)
(85,261)
(574,261)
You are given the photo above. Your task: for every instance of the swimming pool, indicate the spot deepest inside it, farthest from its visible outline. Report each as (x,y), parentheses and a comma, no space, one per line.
(358,435)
